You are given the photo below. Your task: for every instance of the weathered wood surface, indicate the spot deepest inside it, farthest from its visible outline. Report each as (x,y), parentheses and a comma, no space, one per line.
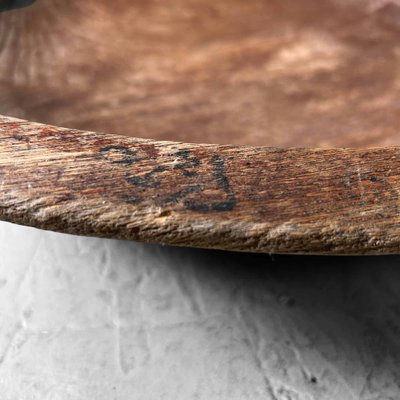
(282,73)
(339,201)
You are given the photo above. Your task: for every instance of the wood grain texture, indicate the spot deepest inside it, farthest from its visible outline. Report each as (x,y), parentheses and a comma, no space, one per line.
(258,199)
(315,73)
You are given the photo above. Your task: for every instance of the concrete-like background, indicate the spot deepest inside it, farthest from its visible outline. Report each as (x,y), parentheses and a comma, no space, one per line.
(87,318)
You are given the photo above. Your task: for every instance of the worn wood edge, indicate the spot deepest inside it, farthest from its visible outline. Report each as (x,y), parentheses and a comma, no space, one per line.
(257,199)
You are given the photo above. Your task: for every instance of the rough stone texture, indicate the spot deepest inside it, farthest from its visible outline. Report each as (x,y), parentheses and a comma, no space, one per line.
(84,318)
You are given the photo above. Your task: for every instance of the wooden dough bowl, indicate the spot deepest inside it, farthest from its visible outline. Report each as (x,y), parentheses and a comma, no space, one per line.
(280,87)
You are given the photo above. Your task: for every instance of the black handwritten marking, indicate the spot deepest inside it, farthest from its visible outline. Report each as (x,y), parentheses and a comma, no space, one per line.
(223,183)
(182,193)
(148,180)
(186,164)
(219,173)
(119,155)
(188,161)
(189,174)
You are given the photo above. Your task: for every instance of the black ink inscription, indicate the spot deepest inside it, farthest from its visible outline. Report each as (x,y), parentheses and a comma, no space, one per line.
(119,155)
(182,194)
(223,183)
(187,160)
(148,180)
(184,163)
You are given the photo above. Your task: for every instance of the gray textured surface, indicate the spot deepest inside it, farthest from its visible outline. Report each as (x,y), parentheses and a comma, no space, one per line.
(85,318)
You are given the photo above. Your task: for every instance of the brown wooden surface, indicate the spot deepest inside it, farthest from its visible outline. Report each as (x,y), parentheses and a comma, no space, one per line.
(276,73)
(261,72)
(342,201)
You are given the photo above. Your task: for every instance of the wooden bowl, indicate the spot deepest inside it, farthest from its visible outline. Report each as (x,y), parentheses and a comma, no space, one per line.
(315,74)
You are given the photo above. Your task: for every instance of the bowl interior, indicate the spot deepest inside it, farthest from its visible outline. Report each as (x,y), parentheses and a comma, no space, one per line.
(284,73)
